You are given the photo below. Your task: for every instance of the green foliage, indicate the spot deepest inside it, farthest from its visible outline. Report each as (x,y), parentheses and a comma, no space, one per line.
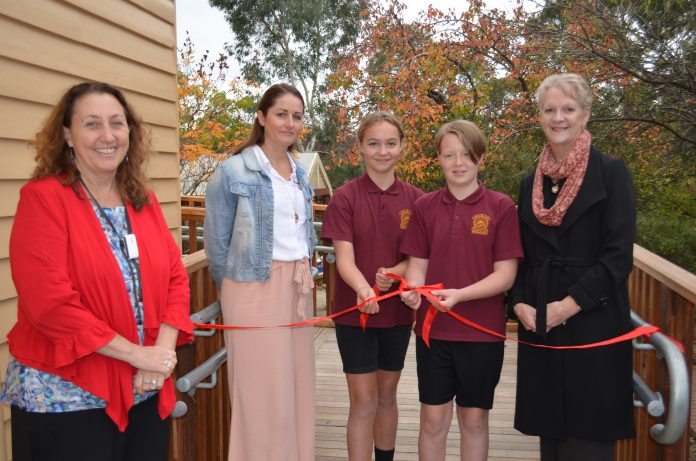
(672,237)
(639,57)
(341,173)
(292,40)
(645,48)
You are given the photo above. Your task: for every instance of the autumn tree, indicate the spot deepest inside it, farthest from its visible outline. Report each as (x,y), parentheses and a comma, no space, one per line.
(293,40)
(214,114)
(484,65)
(649,48)
(640,56)
(441,67)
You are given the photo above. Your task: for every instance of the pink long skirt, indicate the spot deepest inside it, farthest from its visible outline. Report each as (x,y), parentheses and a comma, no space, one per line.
(271,371)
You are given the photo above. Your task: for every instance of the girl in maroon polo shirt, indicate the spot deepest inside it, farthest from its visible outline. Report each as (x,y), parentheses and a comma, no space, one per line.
(467,237)
(366,219)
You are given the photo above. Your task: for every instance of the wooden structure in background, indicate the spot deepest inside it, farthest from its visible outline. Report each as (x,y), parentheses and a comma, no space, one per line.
(46,46)
(192,218)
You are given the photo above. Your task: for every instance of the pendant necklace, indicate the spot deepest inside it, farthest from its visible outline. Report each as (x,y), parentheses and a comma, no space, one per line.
(556,186)
(289,193)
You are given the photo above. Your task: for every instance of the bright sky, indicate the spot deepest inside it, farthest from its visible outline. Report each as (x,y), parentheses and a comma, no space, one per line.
(209,30)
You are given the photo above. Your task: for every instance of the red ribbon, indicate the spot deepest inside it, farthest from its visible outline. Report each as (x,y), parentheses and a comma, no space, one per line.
(426,291)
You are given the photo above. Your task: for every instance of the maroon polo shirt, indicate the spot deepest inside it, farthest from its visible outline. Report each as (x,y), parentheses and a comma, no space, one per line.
(462,239)
(374,221)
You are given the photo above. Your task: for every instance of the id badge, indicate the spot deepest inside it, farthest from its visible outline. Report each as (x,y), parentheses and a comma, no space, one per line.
(131,246)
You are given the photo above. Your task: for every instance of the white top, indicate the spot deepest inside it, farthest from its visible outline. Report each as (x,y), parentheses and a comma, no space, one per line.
(290,214)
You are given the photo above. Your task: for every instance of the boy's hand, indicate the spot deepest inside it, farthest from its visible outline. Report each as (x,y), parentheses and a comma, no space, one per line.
(448,298)
(411,298)
(383,281)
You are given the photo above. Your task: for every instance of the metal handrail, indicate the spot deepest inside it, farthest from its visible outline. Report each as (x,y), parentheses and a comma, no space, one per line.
(180,409)
(193,380)
(206,315)
(329,250)
(678,408)
(652,401)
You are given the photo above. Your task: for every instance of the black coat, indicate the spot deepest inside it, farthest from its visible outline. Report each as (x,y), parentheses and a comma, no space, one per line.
(582,393)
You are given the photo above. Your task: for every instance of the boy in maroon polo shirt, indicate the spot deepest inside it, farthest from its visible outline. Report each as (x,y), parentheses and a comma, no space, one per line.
(467,237)
(367,218)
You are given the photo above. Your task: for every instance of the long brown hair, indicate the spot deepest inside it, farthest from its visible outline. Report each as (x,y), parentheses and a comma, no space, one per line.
(54,157)
(265,103)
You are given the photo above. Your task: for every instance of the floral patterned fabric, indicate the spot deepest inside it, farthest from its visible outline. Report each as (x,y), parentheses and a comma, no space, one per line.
(38,391)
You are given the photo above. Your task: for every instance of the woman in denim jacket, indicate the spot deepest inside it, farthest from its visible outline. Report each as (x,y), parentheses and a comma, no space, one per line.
(258,238)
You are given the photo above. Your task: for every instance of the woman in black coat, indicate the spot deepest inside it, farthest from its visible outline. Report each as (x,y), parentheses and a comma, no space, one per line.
(577,218)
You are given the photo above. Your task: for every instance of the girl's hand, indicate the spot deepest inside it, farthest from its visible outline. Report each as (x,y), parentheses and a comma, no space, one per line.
(364,292)
(383,282)
(412,299)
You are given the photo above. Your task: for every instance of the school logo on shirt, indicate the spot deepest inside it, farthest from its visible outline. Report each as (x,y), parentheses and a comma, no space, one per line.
(480,224)
(405,216)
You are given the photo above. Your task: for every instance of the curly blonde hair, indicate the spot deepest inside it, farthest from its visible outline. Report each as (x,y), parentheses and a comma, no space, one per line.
(54,156)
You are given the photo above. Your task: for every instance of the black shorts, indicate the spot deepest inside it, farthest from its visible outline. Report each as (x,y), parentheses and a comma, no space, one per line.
(373,349)
(468,371)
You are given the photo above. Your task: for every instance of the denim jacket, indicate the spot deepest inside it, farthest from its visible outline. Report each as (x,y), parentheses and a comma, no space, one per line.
(239,219)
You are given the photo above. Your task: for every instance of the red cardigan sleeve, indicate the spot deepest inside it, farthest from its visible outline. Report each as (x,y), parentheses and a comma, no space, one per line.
(47,299)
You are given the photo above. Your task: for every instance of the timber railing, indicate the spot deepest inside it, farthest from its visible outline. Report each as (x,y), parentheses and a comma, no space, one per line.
(192,217)
(661,294)
(664,295)
(203,431)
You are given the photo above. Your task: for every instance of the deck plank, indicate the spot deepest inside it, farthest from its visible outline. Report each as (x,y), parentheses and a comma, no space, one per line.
(506,444)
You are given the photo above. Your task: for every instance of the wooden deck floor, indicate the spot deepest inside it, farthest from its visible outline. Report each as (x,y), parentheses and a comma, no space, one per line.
(506,444)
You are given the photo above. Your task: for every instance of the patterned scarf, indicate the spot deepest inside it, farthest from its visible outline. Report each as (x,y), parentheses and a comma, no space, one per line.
(573,167)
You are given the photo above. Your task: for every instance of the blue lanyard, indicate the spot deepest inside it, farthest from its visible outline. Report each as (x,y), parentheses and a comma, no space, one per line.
(133,263)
